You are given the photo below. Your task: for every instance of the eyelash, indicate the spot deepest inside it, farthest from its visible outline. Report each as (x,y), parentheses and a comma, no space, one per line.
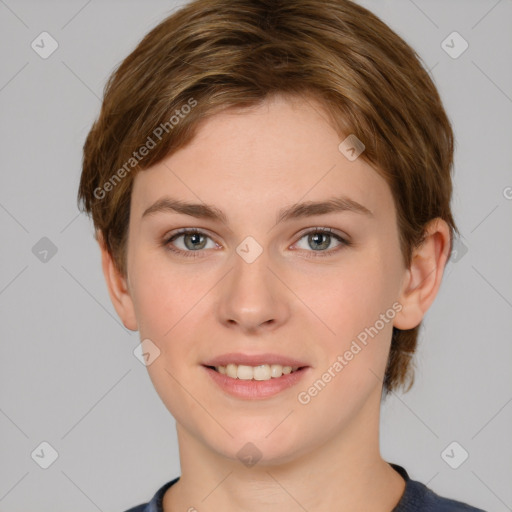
(193,254)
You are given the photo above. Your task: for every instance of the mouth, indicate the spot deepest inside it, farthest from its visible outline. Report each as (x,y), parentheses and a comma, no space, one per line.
(252,377)
(260,372)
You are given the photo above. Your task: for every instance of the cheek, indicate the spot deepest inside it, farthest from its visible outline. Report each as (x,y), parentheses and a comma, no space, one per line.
(351,363)
(166,302)
(351,298)
(162,295)
(357,306)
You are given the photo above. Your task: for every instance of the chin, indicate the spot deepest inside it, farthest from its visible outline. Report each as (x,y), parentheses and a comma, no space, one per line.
(254,445)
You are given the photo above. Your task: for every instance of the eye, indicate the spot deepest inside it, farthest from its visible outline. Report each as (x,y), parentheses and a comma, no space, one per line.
(320,239)
(193,241)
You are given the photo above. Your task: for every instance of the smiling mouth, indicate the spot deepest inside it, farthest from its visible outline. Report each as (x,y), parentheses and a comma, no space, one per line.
(260,372)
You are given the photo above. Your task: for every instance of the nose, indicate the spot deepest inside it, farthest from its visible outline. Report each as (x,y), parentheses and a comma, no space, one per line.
(251,298)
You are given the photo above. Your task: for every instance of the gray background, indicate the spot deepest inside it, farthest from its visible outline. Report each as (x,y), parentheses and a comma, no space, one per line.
(68,375)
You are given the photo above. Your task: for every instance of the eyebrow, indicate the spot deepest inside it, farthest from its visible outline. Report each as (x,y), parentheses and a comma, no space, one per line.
(295,211)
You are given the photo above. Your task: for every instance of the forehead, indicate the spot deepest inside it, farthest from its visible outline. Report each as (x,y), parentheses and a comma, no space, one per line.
(280,152)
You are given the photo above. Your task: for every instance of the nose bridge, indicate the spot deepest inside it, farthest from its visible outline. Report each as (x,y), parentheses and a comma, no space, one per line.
(251,296)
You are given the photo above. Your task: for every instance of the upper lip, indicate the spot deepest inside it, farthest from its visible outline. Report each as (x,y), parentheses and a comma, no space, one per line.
(253,360)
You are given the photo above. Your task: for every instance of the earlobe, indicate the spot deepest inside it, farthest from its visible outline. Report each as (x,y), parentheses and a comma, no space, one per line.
(423,278)
(117,288)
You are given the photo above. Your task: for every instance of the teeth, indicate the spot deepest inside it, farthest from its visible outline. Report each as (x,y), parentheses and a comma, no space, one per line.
(260,372)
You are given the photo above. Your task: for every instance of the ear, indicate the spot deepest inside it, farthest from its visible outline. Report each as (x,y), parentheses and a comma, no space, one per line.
(117,288)
(423,278)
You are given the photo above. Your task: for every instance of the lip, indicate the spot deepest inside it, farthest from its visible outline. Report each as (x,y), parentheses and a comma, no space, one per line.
(253,360)
(255,389)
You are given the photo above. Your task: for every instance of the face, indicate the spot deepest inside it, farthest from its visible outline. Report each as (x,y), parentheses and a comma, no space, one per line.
(315,288)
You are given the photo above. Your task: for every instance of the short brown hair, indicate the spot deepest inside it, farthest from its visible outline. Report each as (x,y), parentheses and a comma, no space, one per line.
(216,54)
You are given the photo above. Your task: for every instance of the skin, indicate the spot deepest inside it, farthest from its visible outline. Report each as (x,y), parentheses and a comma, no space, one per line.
(250,164)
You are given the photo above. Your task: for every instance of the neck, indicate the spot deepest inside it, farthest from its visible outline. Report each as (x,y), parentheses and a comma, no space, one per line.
(345,473)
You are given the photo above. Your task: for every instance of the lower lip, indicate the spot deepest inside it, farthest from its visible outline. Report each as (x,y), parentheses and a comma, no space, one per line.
(254,389)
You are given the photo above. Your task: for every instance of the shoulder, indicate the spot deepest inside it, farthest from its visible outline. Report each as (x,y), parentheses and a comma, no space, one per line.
(418,497)
(155,505)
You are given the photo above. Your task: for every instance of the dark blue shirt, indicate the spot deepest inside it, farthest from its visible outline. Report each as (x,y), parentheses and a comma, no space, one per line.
(416,498)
